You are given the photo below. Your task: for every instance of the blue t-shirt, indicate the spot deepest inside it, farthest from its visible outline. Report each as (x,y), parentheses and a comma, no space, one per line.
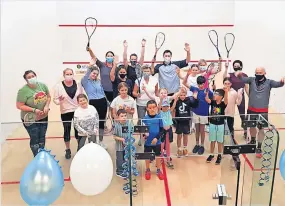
(154,124)
(203,107)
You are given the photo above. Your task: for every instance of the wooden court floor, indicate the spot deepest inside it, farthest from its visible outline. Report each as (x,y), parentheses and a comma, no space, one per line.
(191,183)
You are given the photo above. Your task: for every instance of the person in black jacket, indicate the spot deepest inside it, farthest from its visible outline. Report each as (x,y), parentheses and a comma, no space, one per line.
(183,107)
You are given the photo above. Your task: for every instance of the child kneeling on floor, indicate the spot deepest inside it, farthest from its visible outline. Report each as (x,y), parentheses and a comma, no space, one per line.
(153,139)
(217,122)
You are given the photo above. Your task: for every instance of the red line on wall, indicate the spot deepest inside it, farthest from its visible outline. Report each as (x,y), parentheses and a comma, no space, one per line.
(149,25)
(146,62)
(18,182)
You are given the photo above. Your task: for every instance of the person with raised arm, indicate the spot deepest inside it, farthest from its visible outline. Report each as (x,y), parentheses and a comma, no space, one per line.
(258,103)
(105,69)
(134,67)
(237,84)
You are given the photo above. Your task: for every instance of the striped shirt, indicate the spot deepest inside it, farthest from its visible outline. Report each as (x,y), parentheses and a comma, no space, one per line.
(119,133)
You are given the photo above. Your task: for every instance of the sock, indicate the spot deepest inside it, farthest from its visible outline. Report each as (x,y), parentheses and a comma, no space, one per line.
(259,145)
(158,170)
(253,138)
(180,148)
(202,144)
(220,154)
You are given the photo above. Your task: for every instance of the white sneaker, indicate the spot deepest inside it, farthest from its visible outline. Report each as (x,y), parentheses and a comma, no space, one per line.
(103,145)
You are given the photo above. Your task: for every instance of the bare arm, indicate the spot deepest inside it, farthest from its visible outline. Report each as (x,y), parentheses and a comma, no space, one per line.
(125,54)
(141,61)
(136,90)
(239,97)
(113,70)
(226,70)
(185,80)
(208,100)
(152,61)
(174,105)
(188,55)
(246,88)
(119,138)
(92,55)
(226,97)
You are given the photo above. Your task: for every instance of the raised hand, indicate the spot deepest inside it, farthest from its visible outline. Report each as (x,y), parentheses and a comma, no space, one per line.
(282,80)
(227,64)
(187,47)
(116,59)
(92,62)
(195,95)
(125,43)
(143,42)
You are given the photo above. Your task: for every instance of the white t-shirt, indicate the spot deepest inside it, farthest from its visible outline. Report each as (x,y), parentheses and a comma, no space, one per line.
(193,82)
(119,103)
(86,121)
(150,88)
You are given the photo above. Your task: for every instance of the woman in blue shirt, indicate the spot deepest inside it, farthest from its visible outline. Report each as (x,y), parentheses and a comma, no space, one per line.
(95,92)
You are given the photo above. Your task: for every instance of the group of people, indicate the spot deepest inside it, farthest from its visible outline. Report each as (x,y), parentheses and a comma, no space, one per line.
(173,99)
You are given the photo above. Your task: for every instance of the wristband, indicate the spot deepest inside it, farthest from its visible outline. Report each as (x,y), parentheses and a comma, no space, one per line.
(34,110)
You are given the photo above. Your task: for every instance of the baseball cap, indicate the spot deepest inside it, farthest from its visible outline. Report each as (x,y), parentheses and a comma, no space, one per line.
(165,103)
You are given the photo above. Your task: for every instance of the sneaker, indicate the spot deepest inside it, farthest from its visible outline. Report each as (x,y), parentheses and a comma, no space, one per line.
(147,175)
(201,150)
(68,154)
(179,153)
(210,158)
(169,165)
(121,175)
(102,145)
(196,148)
(252,142)
(159,175)
(258,153)
(219,159)
(185,152)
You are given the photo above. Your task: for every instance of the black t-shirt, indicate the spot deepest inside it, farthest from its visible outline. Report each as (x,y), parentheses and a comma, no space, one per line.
(117,82)
(134,72)
(71,91)
(183,109)
(217,109)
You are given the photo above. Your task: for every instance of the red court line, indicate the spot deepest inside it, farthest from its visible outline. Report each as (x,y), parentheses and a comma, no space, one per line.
(145,62)
(166,187)
(148,25)
(18,182)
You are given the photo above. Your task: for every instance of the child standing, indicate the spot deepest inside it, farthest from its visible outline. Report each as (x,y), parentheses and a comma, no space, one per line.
(165,113)
(200,114)
(86,121)
(217,122)
(182,110)
(123,101)
(153,140)
(120,137)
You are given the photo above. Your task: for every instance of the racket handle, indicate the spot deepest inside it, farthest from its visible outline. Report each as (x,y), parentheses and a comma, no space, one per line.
(213,82)
(87,47)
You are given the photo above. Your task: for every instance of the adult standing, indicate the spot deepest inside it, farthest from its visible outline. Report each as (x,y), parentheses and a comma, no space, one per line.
(34,97)
(105,69)
(65,95)
(134,67)
(258,103)
(237,84)
(96,96)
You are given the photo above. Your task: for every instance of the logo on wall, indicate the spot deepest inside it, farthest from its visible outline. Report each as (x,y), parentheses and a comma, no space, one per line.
(81,69)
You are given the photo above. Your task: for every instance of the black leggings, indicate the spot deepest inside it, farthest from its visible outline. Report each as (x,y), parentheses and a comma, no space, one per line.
(101,107)
(241,110)
(109,96)
(230,121)
(67,118)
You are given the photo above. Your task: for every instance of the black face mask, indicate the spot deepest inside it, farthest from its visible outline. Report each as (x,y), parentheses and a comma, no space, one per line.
(259,77)
(122,76)
(133,63)
(237,69)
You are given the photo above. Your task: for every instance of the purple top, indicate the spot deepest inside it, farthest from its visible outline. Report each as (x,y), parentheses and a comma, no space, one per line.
(236,82)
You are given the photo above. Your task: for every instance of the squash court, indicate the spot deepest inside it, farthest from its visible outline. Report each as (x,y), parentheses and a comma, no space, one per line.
(191,182)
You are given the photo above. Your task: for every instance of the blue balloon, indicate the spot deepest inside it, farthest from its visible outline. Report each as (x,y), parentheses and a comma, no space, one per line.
(42,181)
(282,165)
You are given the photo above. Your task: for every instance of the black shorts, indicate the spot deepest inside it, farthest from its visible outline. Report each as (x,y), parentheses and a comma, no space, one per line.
(253,119)
(183,128)
(156,149)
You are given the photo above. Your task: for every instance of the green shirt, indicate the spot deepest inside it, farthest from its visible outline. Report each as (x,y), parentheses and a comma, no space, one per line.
(33,97)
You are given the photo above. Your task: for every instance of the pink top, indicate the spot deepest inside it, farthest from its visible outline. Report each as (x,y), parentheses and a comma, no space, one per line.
(207,75)
(233,99)
(67,104)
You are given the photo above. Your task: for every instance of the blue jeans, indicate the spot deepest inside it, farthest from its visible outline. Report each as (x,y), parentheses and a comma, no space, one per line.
(37,133)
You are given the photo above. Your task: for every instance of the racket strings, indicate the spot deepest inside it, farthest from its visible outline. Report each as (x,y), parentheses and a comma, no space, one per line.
(213,35)
(159,40)
(90,26)
(212,70)
(229,42)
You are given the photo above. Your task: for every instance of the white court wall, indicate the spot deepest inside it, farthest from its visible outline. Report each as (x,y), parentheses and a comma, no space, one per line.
(32,39)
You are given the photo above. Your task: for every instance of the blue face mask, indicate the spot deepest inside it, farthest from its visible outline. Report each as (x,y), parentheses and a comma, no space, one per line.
(109,59)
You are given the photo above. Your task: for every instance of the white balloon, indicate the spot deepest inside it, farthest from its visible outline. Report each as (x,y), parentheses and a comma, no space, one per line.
(91,170)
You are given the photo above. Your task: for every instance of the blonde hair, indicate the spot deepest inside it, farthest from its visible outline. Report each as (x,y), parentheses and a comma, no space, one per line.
(202,61)
(146,66)
(67,69)
(183,89)
(161,89)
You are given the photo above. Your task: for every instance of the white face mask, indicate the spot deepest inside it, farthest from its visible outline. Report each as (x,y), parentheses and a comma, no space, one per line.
(33,80)
(167,60)
(68,77)
(203,68)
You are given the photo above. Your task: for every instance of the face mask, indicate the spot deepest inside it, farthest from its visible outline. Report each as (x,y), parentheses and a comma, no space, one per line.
(68,77)
(237,69)
(259,77)
(146,75)
(122,76)
(33,80)
(133,62)
(167,60)
(203,68)
(109,59)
